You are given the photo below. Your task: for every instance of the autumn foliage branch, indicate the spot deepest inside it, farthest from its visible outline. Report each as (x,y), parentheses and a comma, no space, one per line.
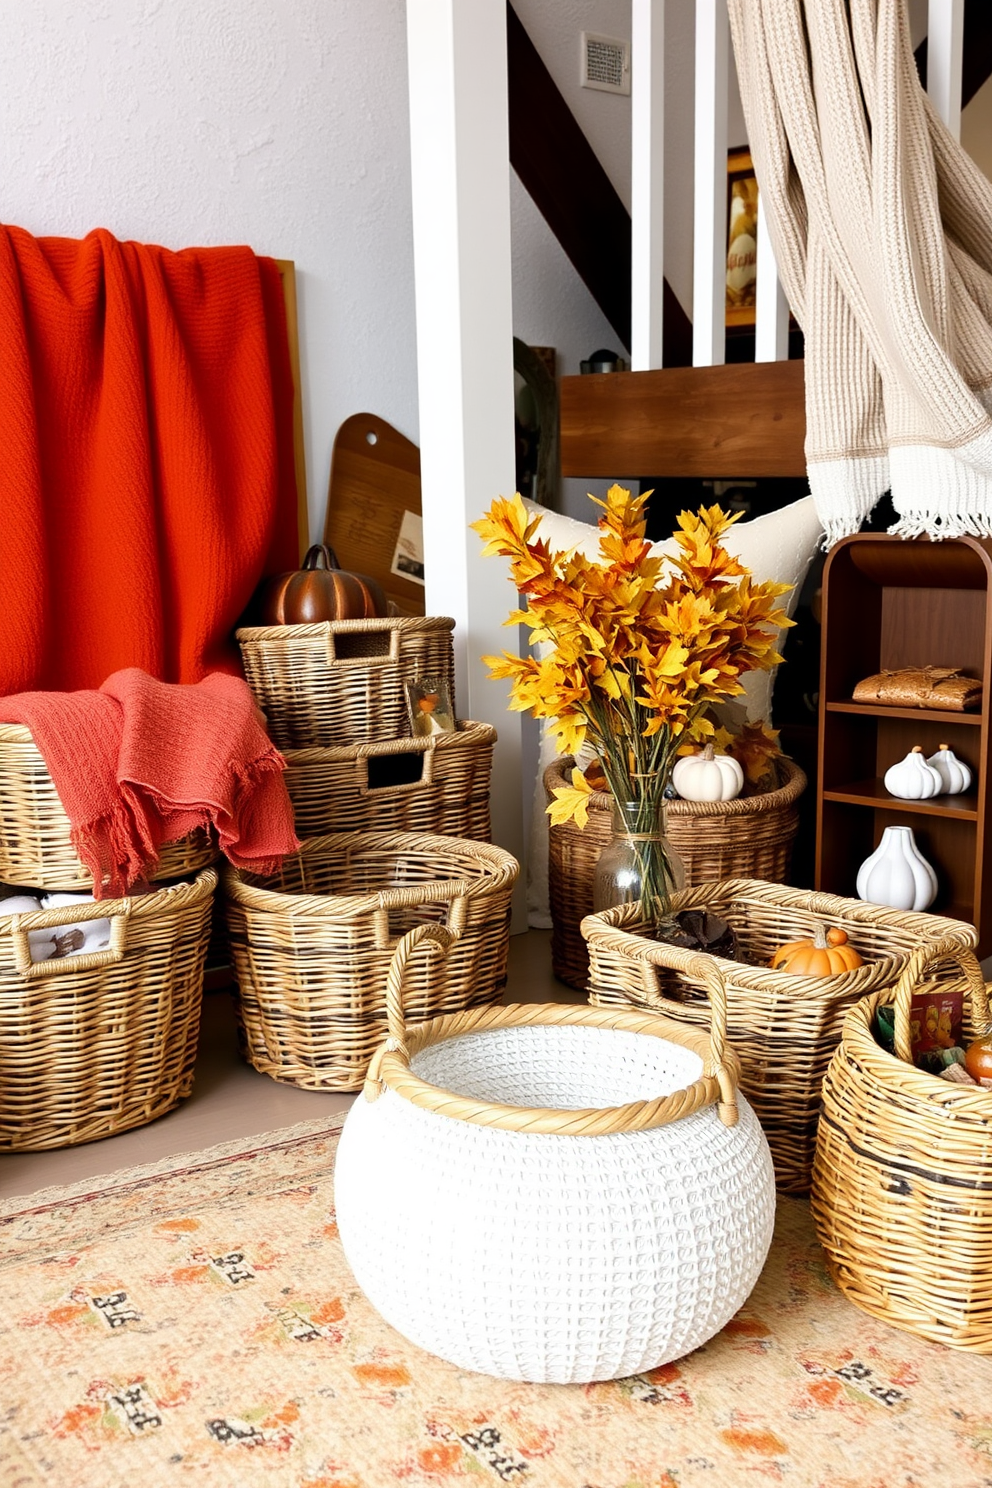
(632,646)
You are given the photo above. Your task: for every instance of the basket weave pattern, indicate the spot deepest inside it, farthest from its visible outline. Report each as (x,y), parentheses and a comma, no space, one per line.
(312,946)
(783,1028)
(35,843)
(748,838)
(94,1045)
(333,790)
(902,1182)
(344,681)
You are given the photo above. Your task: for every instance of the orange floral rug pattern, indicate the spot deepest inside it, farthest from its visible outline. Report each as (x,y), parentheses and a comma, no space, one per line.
(195,1322)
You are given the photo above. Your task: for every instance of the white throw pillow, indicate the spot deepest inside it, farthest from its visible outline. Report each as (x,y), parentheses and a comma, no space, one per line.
(779,546)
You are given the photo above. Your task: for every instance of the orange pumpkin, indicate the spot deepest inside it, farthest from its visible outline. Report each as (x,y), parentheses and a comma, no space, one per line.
(826,953)
(320,590)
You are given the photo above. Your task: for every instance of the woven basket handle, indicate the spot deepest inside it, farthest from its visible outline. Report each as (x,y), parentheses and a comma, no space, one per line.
(116,911)
(385,749)
(438,940)
(912,976)
(705,970)
(383,658)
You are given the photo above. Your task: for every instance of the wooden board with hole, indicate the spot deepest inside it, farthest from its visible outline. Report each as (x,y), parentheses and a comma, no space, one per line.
(373,500)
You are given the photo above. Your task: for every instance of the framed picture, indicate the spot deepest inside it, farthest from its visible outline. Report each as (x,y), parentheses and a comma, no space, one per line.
(742,238)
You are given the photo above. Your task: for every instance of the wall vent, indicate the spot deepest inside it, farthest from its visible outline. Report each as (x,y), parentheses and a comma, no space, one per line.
(604,63)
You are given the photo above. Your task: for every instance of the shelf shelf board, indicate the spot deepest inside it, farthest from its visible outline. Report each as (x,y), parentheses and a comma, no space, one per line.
(963,807)
(923,715)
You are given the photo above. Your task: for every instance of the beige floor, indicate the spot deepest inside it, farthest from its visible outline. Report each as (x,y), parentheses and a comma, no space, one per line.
(232,1100)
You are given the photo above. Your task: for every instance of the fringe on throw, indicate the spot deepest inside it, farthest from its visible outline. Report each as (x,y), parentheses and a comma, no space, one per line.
(938,525)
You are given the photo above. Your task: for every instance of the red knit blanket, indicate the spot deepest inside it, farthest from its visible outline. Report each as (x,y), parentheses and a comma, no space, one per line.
(142,762)
(146,481)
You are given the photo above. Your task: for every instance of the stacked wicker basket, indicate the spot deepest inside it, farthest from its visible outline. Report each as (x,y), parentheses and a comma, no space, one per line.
(396,833)
(93,1044)
(784,1028)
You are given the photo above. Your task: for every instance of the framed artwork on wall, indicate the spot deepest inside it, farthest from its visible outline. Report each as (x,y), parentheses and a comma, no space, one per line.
(742,238)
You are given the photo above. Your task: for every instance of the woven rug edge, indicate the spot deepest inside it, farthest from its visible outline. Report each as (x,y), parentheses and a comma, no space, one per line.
(178,1162)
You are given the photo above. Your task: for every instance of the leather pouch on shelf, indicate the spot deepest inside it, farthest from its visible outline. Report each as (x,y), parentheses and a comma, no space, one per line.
(921,687)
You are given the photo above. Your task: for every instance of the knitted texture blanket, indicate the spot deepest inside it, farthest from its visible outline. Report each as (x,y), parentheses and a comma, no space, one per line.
(882,228)
(147,479)
(141,762)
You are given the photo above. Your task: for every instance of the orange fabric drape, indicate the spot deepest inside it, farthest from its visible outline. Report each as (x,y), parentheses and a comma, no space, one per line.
(146,474)
(138,762)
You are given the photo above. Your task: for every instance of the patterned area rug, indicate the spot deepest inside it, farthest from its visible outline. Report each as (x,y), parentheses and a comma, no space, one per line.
(196,1322)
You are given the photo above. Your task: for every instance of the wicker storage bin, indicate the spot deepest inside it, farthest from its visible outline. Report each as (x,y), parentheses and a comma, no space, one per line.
(36,849)
(344,681)
(311,947)
(552,1193)
(784,1028)
(749,838)
(902,1181)
(368,787)
(96,1044)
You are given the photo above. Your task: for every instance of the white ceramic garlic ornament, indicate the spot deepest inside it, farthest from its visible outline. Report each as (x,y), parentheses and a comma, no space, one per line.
(897,874)
(913,778)
(708,776)
(955,775)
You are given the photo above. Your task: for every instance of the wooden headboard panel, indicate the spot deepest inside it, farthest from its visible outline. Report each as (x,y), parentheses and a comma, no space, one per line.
(287,273)
(745,420)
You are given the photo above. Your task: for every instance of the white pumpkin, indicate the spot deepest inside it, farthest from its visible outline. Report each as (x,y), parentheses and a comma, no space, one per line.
(955,775)
(913,778)
(897,874)
(708,776)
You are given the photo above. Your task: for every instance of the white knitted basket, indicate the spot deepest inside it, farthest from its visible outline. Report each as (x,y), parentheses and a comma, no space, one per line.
(545,1257)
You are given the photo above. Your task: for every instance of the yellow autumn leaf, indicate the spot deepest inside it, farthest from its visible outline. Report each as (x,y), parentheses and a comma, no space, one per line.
(571,802)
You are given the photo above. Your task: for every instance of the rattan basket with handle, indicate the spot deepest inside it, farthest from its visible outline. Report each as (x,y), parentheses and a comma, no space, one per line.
(556,1193)
(92,1045)
(311,946)
(784,1028)
(751,837)
(343,681)
(35,843)
(902,1182)
(436,784)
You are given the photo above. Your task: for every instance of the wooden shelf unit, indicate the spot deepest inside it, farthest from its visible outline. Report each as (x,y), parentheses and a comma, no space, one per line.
(889,603)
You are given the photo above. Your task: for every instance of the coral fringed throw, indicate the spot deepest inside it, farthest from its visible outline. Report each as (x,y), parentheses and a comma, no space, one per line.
(141,762)
(882,227)
(147,478)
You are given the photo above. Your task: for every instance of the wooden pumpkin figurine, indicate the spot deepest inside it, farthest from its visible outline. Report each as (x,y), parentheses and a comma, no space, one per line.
(825,953)
(320,590)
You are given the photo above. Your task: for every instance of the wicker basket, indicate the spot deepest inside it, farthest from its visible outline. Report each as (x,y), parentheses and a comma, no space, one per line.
(552,1193)
(36,849)
(96,1044)
(311,947)
(438,784)
(902,1182)
(343,682)
(784,1028)
(748,838)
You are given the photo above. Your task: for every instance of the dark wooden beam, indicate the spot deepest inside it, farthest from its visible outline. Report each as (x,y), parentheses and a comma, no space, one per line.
(723,423)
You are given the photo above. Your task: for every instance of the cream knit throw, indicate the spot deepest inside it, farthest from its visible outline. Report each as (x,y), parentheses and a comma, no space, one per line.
(882,227)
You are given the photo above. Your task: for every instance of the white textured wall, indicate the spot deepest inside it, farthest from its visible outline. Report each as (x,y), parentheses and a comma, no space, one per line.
(278,123)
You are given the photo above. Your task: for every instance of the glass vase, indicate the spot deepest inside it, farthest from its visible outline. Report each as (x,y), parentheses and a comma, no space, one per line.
(639,864)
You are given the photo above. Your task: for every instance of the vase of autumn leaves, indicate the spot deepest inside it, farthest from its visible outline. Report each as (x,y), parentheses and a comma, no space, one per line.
(634,649)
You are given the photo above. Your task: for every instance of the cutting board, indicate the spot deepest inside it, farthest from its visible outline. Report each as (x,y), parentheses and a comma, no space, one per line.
(373,507)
